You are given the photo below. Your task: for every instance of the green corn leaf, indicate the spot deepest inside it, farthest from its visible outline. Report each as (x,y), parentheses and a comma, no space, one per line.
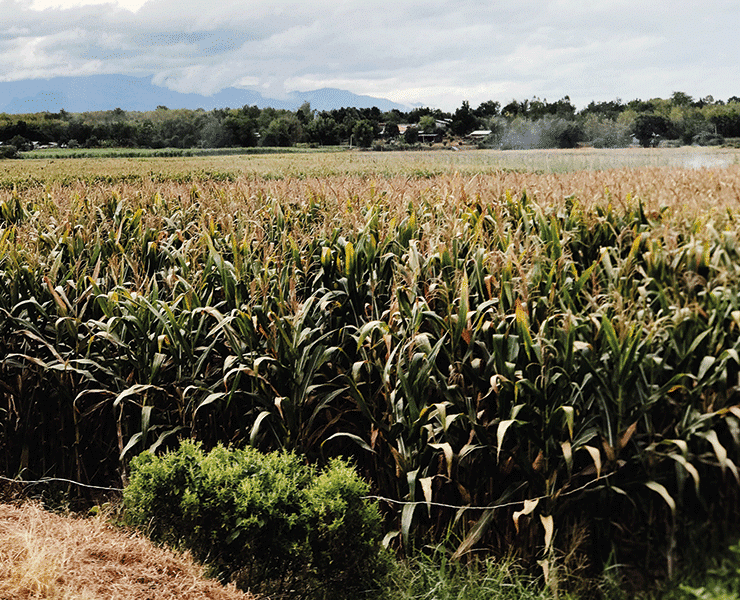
(660,489)
(503,427)
(134,390)
(164,436)
(611,336)
(135,439)
(462,314)
(369,328)
(255,430)
(210,399)
(706,364)
(569,413)
(475,534)
(522,321)
(689,468)
(407,518)
(719,450)
(146,419)
(350,436)
(449,455)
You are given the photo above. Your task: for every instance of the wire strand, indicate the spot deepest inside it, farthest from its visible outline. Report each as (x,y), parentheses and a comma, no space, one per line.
(491,506)
(52,479)
(369,497)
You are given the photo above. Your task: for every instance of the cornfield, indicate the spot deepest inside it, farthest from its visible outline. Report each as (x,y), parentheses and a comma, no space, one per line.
(509,357)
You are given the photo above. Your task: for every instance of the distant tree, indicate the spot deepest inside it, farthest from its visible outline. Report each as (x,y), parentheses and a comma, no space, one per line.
(8,151)
(681,99)
(558,132)
(304,113)
(427,124)
(464,121)
(363,133)
(610,110)
(20,143)
(563,108)
(516,109)
(323,130)
(391,130)
(489,108)
(411,135)
(393,116)
(649,128)
(284,130)
(241,128)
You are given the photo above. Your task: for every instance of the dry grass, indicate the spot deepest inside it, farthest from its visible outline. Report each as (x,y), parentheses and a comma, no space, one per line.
(421,163)
(43,555)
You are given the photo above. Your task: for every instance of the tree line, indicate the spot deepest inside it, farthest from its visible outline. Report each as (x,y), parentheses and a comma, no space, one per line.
(531,123)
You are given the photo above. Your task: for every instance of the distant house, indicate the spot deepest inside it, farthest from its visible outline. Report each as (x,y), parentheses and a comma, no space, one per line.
(430,138)
(478,135)
(426,138)
(384,127)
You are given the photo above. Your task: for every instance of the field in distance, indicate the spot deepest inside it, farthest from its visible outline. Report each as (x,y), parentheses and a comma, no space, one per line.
(342,163)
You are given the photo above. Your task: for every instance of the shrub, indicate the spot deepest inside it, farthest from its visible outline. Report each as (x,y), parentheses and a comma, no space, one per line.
(8,151)
(269,522)
(708,138)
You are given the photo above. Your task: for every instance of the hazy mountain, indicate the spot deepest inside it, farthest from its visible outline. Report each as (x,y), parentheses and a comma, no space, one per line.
(106,92)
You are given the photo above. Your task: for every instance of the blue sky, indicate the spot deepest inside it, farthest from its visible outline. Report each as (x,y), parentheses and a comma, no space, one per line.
(436,53)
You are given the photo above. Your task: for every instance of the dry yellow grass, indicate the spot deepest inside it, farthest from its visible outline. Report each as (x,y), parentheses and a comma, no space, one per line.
(685,192)
(48,556)
(331,164)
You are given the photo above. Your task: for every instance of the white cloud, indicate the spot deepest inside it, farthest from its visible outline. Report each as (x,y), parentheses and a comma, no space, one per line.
(130,5)
(432,51)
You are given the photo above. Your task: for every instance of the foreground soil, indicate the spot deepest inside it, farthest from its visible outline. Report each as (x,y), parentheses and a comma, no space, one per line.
(48,556)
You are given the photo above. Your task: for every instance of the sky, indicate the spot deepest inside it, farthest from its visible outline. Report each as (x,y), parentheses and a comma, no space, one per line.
(434,53)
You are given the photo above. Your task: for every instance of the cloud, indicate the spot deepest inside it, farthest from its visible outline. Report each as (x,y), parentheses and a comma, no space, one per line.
(432,52)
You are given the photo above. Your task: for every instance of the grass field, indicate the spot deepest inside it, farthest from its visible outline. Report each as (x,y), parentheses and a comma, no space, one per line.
(534,352)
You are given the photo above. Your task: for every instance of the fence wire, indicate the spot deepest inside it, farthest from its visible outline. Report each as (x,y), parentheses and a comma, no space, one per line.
(369,497)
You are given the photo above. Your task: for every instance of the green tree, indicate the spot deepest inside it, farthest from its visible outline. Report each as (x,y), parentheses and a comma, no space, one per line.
(681,99)
(323,130)
(411,135)
(488,108)
(464,121)
(20,143)
(391,130)
(284,130)
(8,151)
(649,128)
(363,133)
(427,124)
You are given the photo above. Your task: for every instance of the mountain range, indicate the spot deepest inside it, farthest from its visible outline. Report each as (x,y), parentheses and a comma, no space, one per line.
(106,92)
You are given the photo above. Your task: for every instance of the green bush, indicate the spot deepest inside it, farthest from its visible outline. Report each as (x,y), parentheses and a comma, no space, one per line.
(9,151)
(269,522)
(720,579)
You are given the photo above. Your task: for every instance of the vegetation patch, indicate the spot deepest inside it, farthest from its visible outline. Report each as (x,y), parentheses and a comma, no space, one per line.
(269,522)
(544,363)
